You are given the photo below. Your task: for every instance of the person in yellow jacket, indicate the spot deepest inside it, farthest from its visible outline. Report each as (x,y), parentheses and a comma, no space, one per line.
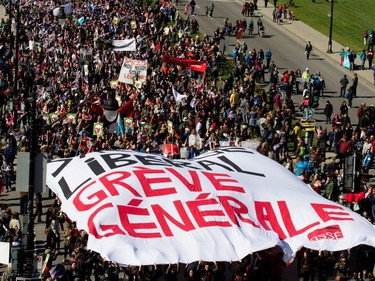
(296,134)
(234,98)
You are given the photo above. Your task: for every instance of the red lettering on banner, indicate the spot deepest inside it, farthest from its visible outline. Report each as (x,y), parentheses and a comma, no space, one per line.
(265,213)
(115,229)
(147,182)
(235,211)
(199,215)
(98,194)
(191,186)
(162,215)
(329,212)
(130,227)
(332,232)
(287,219)
(109,184)
(218,180)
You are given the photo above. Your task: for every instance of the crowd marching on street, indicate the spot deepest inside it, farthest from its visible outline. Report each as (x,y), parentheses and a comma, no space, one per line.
(71,69)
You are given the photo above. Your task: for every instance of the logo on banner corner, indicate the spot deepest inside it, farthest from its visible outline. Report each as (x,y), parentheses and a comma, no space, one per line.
(332,232)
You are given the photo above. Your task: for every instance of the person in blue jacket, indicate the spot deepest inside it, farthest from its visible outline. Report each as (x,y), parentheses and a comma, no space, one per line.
(367,161)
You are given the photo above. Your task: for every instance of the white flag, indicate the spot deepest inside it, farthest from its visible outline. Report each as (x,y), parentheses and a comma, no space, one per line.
(124,45)
(177,96)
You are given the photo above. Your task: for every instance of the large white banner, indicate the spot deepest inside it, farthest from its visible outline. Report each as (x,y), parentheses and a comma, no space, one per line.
(145,209)
(133,71)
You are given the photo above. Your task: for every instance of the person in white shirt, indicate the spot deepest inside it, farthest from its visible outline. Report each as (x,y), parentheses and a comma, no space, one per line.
(15,223)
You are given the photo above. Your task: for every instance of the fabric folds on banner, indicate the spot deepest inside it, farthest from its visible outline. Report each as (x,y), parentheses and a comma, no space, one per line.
(124,45)
(142,209)
(195,65)
(177,96)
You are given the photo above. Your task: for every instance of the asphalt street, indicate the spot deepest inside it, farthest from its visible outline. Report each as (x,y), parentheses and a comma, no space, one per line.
(287,42)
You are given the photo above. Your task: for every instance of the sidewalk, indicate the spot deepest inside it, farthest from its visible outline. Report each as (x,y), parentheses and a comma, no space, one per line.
(319,41)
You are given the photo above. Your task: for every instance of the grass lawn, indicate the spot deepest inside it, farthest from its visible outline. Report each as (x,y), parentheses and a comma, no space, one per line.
(351,18)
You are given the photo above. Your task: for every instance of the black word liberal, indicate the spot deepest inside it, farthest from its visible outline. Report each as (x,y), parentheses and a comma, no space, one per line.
(121,159)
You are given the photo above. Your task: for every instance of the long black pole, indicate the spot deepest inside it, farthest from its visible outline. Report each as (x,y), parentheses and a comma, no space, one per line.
(10,20)
(29,267)
(17,47)
(330,29)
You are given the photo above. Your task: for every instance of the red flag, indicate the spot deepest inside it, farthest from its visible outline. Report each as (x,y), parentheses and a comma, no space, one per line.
(196,65)
(171,149)
(127,109)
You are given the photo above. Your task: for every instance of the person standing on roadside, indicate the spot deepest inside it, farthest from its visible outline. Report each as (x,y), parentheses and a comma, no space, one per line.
(370,56)
(342,56)
(362,57)
(352,56)
(192,6)
(211,9)
(265,3)
(343,84)
(268,58)
(308,49)
(328,111)
(349,96)
(355,84)
(259,25)
(365,37)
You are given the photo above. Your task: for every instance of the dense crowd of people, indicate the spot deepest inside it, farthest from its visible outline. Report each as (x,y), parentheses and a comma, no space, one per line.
(66,64)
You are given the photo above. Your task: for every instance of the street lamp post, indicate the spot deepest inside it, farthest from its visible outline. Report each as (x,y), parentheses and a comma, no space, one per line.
(110,107)
(330,28)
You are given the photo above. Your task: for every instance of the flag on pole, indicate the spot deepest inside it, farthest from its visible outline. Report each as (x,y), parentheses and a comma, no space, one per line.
(120,126)
(177,96)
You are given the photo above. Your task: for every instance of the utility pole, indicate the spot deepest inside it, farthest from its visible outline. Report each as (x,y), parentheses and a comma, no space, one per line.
(17,47)
(330,29)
